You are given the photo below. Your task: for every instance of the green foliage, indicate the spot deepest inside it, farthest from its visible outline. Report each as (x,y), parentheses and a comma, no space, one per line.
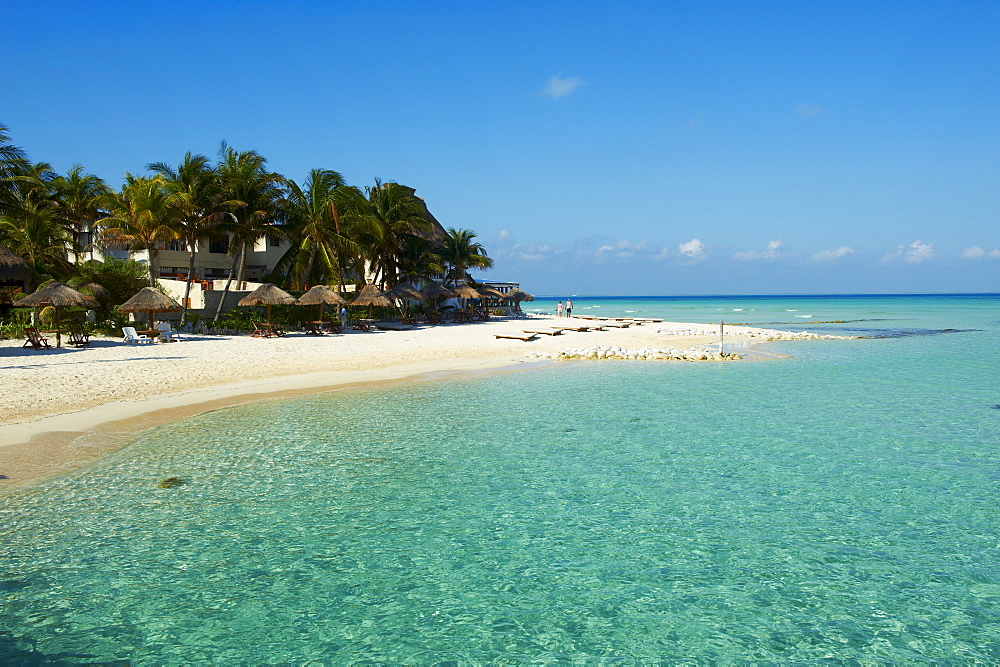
(123,278)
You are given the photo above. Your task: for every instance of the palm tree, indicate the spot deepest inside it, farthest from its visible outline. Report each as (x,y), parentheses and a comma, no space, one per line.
(31,224)
(33,228)
(462,253)
(314,222)
(79,195)
(13,160)
(389,220)
(140,217)
(258,195)
(197,193)
(420,260)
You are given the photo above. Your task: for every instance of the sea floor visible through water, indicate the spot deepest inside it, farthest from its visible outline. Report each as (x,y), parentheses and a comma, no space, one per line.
(837,504)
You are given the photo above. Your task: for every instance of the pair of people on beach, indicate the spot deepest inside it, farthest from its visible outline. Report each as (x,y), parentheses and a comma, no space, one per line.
(569,308)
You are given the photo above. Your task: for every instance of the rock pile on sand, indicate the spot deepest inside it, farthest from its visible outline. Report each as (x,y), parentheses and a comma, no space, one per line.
(643,353)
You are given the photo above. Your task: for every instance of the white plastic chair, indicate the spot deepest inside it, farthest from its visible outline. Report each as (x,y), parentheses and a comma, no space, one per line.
(132,337)
(166,333)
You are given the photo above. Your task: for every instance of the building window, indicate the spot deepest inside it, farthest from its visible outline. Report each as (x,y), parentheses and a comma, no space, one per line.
(273,241)
(220,247)
(175,245)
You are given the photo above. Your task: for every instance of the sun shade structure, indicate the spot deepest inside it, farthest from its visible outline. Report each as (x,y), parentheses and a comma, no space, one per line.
(13,268)
(435,291)
(151,301)
(466,292)
(267,295)
(371,296)
(406,292)
(319,295)
(58,295)
(518,294)
(490,292)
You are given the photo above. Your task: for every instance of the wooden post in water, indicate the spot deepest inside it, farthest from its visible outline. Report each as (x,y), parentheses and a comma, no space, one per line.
(721,325)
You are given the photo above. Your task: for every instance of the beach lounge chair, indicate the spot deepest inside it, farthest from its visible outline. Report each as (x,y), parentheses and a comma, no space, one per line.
(315,328)
(553,332)
(132,337)
(34,339)
(78,337)
(525,337)
(166,333)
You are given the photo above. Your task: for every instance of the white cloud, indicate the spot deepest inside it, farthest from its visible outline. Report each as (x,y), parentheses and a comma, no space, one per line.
(768,255)
(976,252)
(694,249)
(830,255)
(504,234)
(808,110)
(560,86)
(915,253)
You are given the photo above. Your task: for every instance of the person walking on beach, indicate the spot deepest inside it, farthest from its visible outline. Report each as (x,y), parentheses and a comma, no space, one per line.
(569,308)
(343,318)
(559,309)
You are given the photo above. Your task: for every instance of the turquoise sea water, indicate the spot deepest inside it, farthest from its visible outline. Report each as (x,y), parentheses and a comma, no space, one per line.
(841,504)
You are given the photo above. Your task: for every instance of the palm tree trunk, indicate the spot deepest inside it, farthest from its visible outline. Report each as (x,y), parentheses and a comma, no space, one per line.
(225,292)
(154,265)
(309,265)
(187,288)
(241,274)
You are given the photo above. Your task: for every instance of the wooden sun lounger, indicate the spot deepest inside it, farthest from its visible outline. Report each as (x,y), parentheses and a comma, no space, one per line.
(618,325)
(517,337)
(554,332)
(34,339)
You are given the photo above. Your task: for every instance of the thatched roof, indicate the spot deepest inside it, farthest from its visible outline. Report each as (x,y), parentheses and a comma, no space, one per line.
(370,296)
(320,294)
(518,294)
(405,291)
(490,292)
(149,300)
(267,294)
(435,291)
(466,292)
(57,294)
(13,267)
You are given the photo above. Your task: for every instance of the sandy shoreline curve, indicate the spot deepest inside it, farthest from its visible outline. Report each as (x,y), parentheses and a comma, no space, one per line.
(61,409)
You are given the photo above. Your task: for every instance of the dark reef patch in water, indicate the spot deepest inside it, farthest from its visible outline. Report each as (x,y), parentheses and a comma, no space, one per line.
(905,333)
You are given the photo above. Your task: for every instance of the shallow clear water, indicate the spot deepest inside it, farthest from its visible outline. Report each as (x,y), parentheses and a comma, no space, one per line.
(840,504)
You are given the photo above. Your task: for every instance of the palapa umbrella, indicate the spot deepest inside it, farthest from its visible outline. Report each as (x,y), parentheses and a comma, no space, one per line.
(57,295)
(320,294)
(151,301)
(465,292)
(406,292)
(13,268)
(518,294)
(267,295)
(371,296)
(435,291)
(490,292)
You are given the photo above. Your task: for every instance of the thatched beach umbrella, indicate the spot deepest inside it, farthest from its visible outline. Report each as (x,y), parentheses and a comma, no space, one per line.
(490,292)
(13,268)
(518,294)
(267,295)
(465,292)
(151,301)
(435,291)
(406,292)
(58,295)
(320,294)
(370,296)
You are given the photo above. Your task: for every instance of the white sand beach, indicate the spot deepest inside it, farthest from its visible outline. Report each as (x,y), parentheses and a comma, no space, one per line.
(52,398)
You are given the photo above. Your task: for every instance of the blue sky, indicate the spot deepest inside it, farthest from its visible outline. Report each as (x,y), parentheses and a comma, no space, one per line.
(647,148)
